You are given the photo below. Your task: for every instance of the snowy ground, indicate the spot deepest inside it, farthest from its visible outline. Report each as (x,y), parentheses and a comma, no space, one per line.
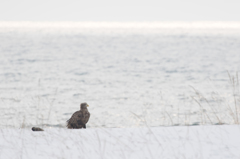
(156,142)
(149,69)
(129,73)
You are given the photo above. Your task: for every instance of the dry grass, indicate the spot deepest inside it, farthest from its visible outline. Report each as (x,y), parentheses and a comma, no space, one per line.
(232,109)
(214,109)
(204,107)
(234,81)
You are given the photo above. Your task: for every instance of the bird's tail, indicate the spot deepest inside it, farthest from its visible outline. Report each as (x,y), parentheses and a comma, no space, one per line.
(37,129)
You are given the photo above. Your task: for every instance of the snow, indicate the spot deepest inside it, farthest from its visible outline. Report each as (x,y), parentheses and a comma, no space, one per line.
(130,74)
(149,69)
(149,142)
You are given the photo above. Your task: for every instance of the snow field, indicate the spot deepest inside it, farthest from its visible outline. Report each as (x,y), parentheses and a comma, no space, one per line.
(158,142)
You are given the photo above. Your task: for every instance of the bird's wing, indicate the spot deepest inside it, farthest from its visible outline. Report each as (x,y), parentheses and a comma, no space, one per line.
(74,118)
(85,117)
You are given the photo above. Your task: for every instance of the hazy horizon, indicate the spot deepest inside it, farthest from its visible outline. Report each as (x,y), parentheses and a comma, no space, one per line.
(120,11)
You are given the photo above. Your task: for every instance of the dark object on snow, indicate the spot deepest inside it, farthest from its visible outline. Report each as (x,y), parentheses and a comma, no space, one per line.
(79,118)
(37,129)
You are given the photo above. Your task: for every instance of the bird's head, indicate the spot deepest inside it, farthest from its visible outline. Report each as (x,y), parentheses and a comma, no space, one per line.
(84,105)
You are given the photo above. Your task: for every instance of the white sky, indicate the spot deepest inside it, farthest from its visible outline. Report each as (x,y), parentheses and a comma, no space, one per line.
(121,10)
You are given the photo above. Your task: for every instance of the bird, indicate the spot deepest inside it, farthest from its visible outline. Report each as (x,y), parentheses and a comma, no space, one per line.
(80,118)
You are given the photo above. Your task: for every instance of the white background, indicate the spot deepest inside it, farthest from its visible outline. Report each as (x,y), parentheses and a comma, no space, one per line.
(124,10)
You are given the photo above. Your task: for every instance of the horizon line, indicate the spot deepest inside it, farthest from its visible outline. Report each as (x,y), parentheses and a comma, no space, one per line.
(117,24)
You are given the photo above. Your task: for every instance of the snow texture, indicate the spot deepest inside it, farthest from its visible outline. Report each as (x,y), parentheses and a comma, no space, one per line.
(201,142)
(120,69)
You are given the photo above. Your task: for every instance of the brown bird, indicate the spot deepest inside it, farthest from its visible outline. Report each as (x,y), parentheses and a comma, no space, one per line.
(79,118)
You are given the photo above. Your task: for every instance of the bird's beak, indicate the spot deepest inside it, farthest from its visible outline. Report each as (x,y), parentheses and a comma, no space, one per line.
(87,105)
